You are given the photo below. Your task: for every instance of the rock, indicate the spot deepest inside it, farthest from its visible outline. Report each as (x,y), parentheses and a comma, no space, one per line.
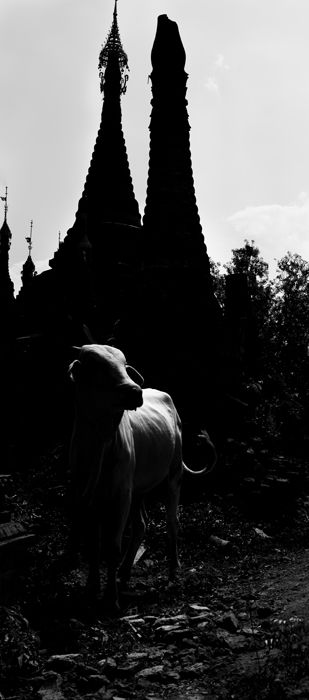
(235,642)
(263,611)
(218,541)
(250,631)
(243,616)
(192,670)
(96,681)
(199,608)
(152,673)
(261,533)
(51,694)
(50,689)
(156,653)
(173,632)
(62,662)
(136,655)
(170,677)
(158,674)
(108,666)
(170,620)
(229,622)
(86,670)
(129,668)
(48,677)
(203,625)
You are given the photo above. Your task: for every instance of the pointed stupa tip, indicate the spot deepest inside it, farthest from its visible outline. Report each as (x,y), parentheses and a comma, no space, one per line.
(167,52)
(113,51)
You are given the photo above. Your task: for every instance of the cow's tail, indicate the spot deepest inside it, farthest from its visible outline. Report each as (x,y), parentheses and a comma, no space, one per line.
(198,472)
(207,445)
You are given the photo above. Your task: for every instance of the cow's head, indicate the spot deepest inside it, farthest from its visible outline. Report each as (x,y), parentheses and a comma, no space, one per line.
(102,374)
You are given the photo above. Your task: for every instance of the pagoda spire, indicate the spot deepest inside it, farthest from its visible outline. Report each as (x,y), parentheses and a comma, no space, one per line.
(5,200)
(113,49)
(28,270)
(6,284)
(108,194)
(173,231)
(179,296)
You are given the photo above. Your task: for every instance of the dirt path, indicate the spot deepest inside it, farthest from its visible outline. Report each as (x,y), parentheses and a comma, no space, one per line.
(236,625)
(289,586)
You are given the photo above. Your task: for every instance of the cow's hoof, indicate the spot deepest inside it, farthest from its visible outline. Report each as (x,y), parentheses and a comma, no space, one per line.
(124,585)
(110,608)
(92,592)
(173,579)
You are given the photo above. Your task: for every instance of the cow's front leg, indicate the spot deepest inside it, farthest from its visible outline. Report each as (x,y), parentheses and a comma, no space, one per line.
(138,527)
(93,544)
(113,546)
(111,597)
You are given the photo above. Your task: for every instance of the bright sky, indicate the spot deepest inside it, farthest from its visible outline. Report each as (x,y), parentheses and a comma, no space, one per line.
(248,93)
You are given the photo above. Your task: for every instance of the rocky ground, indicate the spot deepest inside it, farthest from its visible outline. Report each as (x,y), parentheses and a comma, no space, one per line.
(235,625)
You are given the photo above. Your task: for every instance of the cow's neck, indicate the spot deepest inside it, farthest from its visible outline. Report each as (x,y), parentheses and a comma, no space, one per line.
(92,450)
(103,424)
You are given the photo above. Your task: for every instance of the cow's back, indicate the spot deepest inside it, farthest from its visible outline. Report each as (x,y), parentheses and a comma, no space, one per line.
(156,431)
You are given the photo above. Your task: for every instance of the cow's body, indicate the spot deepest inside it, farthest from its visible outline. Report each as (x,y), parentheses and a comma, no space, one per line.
(118,456)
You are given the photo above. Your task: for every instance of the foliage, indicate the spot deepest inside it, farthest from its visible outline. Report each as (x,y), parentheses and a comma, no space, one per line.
(290,320)
(218,281)
(247,260)
(280,311)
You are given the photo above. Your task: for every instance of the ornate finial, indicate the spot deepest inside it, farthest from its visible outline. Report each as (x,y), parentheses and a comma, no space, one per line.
(5,200)
(59,238)
(113,48)
(29,238)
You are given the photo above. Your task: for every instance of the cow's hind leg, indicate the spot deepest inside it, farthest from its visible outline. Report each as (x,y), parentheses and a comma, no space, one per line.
(93,544)
(138,529)
(172,501)
(115,525)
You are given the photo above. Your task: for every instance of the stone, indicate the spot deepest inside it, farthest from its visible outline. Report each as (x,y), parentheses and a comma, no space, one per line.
(63,662)
(192,670)
(108,666)
(263,611)
(96,681)
(151,673)
(229,622)
(235,642)
(129,668)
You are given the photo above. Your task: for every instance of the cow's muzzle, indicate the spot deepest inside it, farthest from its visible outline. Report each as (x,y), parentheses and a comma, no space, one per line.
(130,397)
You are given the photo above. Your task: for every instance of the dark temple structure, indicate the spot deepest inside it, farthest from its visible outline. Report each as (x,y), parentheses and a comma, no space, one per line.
(183,319)
(144,287)
(104,241)
(6,284)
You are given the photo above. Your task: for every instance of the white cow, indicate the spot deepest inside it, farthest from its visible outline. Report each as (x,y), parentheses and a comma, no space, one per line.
(125,442)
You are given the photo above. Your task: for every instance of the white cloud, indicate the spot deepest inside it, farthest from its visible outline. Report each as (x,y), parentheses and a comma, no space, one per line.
(220,62)
(211,84)
(277,228)
(218,67)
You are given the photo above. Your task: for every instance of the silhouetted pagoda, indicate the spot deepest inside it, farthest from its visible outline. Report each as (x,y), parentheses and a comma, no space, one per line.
(103,246)
(28,269)
(7,319)
(172,229)
(6,284)
(183,314)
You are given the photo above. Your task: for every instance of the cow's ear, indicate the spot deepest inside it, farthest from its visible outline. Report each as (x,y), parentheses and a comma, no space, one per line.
(135,375)
(74,370)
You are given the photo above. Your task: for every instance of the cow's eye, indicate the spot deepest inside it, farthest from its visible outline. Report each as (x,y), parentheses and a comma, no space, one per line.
(135,375)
